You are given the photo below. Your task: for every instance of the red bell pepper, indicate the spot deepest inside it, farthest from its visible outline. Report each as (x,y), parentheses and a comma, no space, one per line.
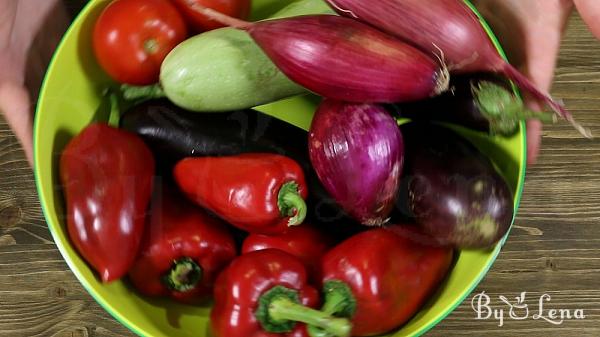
(107,176)
(265,293)
(307,243)
(256,192)
(182,251)
(380,279)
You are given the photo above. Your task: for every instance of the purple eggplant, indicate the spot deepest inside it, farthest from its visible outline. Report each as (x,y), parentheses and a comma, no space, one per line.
(482,102)
(453,190)
(357,151)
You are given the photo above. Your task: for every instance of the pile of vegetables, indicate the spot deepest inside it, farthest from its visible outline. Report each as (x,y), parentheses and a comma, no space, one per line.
(193,194)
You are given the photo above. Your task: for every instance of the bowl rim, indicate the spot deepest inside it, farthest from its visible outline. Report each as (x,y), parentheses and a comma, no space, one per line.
(139,331)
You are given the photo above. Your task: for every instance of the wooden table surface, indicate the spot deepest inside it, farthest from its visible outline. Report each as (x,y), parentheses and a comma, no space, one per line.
(554,248)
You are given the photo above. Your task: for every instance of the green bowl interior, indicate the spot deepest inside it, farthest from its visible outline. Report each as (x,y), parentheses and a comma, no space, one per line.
(71,98)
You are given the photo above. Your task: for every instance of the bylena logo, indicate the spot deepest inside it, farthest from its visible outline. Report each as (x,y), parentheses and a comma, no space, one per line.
(519,310)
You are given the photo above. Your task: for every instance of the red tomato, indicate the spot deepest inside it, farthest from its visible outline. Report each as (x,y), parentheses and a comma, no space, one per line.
(236,8)
(133,37)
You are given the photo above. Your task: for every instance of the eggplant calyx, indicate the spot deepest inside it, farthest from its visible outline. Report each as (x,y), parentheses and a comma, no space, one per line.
(183,276)
(291,204)
(503,110)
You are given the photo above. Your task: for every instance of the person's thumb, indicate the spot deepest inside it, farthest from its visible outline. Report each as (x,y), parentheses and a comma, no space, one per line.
(15,105)
(589,10)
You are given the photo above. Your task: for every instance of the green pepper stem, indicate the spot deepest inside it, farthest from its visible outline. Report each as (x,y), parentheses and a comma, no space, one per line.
(143,93)
(183,276)
(336,302)
(279,309)
(115,114)
(339,302)
(284,309)
(291,204)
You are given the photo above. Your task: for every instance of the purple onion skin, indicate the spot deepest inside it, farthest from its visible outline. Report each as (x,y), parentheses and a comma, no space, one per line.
(449,29)
(432,25)
(357,151)
(343,59)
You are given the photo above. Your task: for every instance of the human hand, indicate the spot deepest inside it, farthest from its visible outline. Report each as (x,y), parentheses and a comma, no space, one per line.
(29,33)
(530,32)
(590,13)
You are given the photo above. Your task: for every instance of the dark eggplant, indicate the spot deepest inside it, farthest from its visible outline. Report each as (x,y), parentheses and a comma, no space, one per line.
(452,190)
(482,102)
(173,133)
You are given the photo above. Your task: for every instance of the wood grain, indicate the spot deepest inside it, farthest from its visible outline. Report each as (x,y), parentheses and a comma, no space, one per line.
(554,247)
(39,295)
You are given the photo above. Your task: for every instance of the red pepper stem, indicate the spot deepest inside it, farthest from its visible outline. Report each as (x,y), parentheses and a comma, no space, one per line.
(279,310)
(291,204)
(183,276)
(285,309)
(339,302)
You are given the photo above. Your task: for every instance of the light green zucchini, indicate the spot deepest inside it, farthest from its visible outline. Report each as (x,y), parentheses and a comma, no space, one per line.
(224,69)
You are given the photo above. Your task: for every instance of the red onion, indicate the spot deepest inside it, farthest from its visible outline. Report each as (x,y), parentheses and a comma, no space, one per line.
(344,59)
(357,151)
(450,27)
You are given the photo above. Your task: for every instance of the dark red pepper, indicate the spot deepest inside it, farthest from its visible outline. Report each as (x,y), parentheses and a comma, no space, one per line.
(380,279)
(306,242)
(107,176)
(182,251)
(265,293)
(256,192)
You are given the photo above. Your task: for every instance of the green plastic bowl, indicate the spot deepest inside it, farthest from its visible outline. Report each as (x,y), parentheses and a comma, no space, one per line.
(70,97)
